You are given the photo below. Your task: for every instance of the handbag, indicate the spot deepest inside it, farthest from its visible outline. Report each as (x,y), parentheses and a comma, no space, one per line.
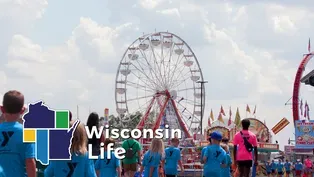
(247,144)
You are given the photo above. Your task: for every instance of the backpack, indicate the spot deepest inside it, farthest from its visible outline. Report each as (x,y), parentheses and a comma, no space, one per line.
(129,154)
(247,144)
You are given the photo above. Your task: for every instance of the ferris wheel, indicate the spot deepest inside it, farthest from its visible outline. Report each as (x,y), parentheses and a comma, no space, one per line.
(158,78)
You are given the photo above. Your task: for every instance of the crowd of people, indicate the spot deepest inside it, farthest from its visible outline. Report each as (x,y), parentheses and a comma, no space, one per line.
(17,159)
(288,168)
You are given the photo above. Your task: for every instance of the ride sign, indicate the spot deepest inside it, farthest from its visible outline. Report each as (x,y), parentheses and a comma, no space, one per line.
(304,134)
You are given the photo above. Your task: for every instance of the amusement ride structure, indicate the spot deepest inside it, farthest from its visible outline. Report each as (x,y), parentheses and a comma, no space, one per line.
(159,77)
(308,79)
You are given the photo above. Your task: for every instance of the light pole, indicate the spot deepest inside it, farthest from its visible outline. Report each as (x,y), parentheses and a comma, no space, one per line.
(202,87)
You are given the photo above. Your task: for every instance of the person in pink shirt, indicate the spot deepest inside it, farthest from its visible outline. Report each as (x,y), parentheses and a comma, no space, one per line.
(308,166)
(244,143)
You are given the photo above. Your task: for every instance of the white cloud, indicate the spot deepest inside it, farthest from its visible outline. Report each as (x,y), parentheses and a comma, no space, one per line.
(173,11)
(150,4)
(21,10)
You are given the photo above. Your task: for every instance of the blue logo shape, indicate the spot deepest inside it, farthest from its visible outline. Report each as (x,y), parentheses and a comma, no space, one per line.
(50,130)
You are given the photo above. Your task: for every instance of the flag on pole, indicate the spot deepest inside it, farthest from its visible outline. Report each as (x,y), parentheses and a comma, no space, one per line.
(248,109)
(301,107)
(209,123)
(308,112)
(254,112)
(230,114)
(220,119)
(237,119)
(222,111)
(305,109)
(212,115)
(309,46)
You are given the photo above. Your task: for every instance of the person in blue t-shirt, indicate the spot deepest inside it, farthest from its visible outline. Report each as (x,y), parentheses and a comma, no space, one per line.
(287,167)
(202,154)
(17,159)
(268,168)
(108,167)
(80,165)
(225,171)
(173,158)
(204,150)
(298,167)
(152,158)
(214,156)
(280,167)
(273,168)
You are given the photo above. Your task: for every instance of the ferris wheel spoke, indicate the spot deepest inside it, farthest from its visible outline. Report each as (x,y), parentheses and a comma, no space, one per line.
(143,80)
(180,73)
(177,83)
(155,60)
(167,70)
(138,86)
(175,68)
(150,68)
(139,98)
(142,107)
(151,59)
(152,81)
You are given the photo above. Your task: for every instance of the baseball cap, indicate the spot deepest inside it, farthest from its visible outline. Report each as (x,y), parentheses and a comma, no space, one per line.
(216,135)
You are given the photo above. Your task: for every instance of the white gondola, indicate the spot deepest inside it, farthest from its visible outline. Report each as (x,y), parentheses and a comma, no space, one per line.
(195,78)
(133,56)
(125,63)
(197,95)
(188,63)
(125,72)
(120,90)
(178,51)
(143,46)
(197,113)
(167,44)
(155,42)
(121,110)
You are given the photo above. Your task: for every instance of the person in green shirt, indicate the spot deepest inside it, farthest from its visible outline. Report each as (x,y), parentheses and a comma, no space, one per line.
(132,157)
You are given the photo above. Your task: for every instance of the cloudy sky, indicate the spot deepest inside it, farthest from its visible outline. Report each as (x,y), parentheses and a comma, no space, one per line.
(67,52)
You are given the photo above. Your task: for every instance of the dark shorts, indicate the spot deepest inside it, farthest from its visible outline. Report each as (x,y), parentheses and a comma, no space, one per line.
(171,175)
(130,167)
(245,163)
(273,171)
(268,173)
(288,172)
(280,173)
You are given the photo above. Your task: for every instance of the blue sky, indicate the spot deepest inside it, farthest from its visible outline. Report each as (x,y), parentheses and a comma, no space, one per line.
(68,52)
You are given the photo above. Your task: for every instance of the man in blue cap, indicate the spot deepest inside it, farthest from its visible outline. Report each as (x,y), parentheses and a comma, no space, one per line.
(214,156)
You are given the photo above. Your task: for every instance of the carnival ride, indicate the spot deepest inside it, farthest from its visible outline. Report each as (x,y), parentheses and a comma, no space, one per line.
(308,79)
(157,76)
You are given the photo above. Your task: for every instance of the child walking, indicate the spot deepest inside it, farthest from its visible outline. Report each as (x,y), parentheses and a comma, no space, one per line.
(80,165)
(268,168)
(108,167)
(225,171)
(214,156)
(173,158)
(153,158)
